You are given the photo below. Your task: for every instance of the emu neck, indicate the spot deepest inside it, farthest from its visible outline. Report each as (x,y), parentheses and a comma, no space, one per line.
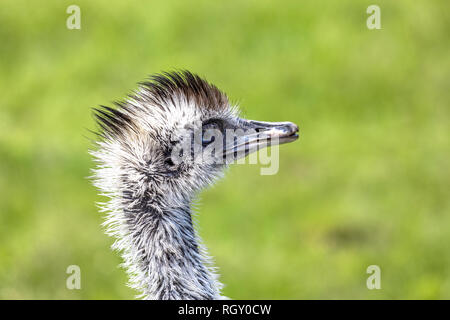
(166,259)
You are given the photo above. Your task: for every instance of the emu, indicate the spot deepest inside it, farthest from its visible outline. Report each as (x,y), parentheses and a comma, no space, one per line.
(151,182)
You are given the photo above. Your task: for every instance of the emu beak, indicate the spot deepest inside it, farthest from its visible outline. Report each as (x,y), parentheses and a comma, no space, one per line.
(254,135)
(284,132)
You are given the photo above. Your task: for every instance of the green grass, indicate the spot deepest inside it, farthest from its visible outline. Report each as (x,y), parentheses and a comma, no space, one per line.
(367,183)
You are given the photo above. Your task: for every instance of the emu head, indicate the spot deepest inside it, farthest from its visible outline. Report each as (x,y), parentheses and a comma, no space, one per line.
(174,136)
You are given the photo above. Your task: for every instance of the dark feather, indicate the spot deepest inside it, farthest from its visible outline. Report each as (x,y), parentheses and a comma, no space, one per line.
(160,89)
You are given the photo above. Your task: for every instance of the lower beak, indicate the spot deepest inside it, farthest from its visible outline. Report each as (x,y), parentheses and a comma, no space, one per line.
(258,134)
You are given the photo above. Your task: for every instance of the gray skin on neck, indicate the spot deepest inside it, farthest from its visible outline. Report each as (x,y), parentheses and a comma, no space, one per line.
(150,196)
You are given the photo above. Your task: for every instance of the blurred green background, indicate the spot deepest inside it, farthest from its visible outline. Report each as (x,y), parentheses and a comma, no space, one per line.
(366,184)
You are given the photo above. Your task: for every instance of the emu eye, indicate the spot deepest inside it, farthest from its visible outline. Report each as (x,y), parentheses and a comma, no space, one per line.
(212,124)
